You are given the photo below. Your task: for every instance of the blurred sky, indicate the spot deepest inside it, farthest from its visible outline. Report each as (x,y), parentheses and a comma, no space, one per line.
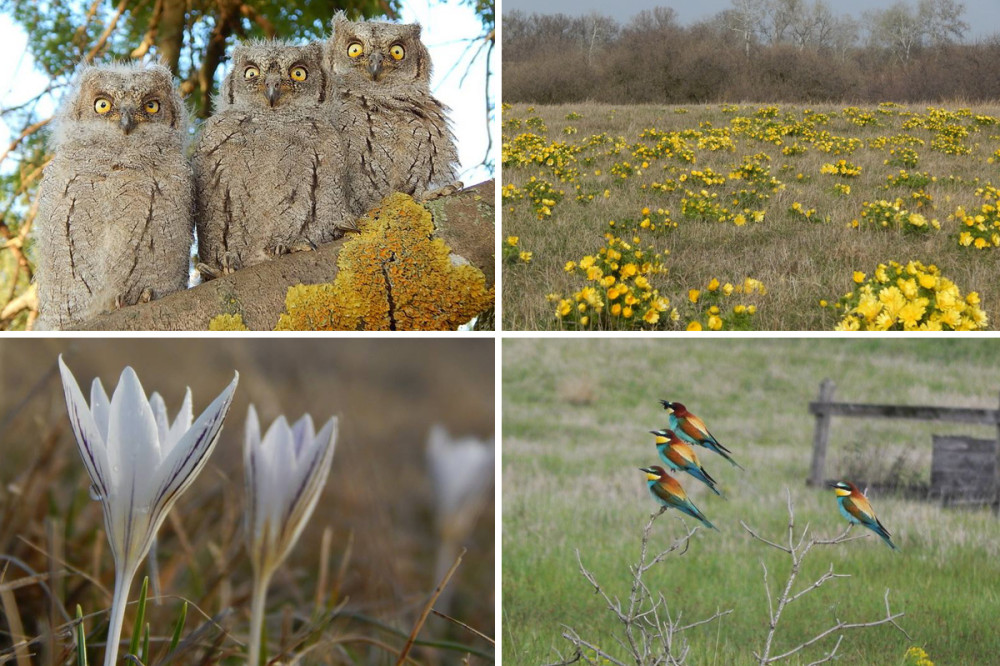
(983,16)
(447,28)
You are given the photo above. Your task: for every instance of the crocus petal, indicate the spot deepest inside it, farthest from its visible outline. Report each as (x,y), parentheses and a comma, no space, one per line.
(88,436)
(311,479)
(251,465)
(304,432)
(182,423)
(100,407)
(133,426)
(159,408)
(462,470)
(190,454)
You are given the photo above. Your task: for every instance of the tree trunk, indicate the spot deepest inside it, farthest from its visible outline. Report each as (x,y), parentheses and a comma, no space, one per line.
(464,221)
(170,32)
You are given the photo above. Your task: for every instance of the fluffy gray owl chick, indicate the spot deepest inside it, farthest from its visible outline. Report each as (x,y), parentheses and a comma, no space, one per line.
(114,223)
(396,135)
(268,162)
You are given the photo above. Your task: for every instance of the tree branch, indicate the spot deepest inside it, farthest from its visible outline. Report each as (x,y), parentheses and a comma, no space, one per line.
(465,221)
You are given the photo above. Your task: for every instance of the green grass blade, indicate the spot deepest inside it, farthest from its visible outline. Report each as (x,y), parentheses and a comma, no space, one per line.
(144,656)
(140,618)
(178,628)
(81,639)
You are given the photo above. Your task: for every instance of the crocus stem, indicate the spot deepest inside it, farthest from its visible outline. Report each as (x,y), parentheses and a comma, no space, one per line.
(123,581)
(257,616)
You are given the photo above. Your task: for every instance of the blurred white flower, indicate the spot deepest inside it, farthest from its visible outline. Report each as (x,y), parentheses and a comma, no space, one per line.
(285,472)
(139,463)
(462,473)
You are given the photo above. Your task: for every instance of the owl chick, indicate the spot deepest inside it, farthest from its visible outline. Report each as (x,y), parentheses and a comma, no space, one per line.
(396,135)
(114,224)
(268,162)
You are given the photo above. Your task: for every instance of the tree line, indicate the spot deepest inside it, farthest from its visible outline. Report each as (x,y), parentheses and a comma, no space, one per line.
(757,50)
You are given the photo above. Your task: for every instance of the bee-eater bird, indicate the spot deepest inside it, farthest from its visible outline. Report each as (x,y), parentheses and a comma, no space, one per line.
(668,492)
(680,457)
(693,431)
(858,510)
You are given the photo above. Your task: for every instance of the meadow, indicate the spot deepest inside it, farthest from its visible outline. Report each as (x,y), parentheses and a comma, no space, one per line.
(575,420)
(359,578)
(750,216)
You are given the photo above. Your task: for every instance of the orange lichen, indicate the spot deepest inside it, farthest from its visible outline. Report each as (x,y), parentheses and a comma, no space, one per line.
(392,276)
(227,322)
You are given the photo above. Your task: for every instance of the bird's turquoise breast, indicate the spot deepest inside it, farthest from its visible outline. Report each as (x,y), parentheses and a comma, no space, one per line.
(845,513)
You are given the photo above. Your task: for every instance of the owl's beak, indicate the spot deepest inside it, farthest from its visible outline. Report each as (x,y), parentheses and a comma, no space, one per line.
(273,92)
(375,64)
(127,120)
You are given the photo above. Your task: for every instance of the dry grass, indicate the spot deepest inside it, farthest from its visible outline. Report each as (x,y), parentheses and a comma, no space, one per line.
(377,504)
(800,262)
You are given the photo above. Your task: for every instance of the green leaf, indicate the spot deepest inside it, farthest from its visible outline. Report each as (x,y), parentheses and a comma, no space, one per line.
(178,628)
(81,639)
(140,618)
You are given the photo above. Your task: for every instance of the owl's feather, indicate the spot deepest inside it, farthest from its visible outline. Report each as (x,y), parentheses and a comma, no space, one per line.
(396,135)
(114,221)
(268,162)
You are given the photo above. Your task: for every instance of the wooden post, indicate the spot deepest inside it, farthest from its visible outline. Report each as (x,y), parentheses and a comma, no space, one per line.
(822,435)
(996,472)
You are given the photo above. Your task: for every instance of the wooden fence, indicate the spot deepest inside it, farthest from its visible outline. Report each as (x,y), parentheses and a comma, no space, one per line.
(958,456)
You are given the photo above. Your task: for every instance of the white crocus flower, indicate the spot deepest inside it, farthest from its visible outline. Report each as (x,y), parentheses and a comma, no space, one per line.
(139,463)
(285,472)
(462,472)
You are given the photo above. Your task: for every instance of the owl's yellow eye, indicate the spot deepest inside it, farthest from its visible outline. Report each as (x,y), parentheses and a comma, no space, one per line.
(397,52)
(355,49)
(102,105)
(299,73)
(251,73)
(152,106)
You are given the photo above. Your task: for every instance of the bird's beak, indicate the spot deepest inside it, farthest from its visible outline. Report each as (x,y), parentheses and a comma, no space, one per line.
(831,484)
(127,120)
(273,92)
(375,65)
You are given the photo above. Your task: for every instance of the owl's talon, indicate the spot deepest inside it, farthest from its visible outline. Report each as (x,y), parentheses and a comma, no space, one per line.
(119,301)
(301,245)
(230,263)
(207,272)
(146,296)
(445,191)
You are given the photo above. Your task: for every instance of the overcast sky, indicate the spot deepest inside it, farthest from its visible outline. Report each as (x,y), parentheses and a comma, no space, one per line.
(983,16)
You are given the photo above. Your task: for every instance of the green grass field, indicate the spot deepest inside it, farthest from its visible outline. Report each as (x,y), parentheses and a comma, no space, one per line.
(570,170)
(576,415)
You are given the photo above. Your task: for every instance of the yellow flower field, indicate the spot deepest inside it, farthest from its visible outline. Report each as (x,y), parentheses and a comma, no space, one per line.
(629,215)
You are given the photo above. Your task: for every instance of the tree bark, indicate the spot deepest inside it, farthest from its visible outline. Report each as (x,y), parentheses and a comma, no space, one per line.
(170,32)
(465,221)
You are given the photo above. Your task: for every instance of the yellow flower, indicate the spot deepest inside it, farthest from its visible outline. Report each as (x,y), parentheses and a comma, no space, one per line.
(642,282)
(694,326)
(912,313)
(525,257)
(714,309)
(752,309)
(594,273)
(645,210)
(927,281)
(713,285)
(608,280)
(740,309)
(727,289)
(570,265)
(693,295)
(584,320)
(616,309)
(586,262)
(627,312)
(512,241)
(651,316)
(565,307)
(715,322)
(859,277)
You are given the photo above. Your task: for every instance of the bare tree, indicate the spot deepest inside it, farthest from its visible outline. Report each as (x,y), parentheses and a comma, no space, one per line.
(650,633)
(797,551)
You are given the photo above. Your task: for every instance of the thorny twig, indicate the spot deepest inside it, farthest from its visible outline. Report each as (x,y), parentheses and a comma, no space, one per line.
(798,551)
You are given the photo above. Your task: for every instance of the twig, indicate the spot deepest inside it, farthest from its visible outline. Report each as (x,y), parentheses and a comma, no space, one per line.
(464,626)
(797,551)
(427,609)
